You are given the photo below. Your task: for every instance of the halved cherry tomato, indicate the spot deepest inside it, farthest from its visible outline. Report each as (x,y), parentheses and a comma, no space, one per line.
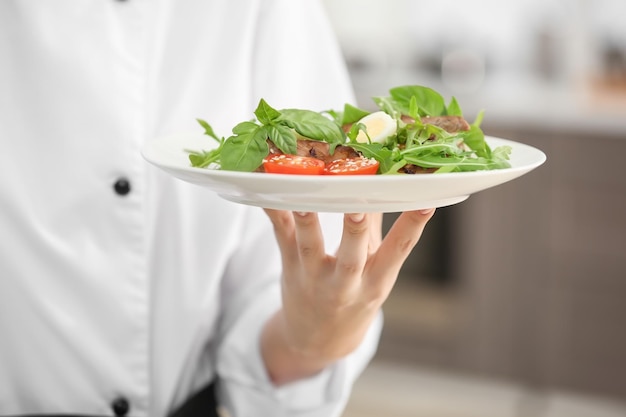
(293,164)
(352,166)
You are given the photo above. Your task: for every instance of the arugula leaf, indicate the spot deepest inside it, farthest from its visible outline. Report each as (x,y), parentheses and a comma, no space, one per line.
(447,168)
(205,158)
(475,139)
(389,106)
(354,131)
(444,148)
(383,155)
(208,130)
(455,163)
(501,153)
(312,125)
(393,168)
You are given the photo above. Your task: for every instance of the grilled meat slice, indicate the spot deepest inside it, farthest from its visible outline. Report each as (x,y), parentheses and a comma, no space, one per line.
(450,124)
(414,169)
(321,150)
(316,149)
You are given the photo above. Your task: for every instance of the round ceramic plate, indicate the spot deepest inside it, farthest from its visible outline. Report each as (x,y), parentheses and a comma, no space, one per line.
(345,194)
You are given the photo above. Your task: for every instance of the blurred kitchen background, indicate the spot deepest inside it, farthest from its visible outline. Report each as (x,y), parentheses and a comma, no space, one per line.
(514,302)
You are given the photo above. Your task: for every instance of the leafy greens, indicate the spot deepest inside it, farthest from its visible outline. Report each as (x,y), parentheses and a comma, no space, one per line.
(415,142)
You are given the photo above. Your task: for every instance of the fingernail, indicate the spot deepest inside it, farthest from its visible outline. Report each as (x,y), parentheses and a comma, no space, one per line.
(301,213)
(357,217)
(426,211)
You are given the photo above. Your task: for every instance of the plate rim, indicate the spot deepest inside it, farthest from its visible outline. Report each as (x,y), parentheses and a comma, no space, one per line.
(344,193)
(148,149)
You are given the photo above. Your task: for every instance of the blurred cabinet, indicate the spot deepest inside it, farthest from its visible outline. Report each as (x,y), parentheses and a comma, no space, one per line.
(541,267)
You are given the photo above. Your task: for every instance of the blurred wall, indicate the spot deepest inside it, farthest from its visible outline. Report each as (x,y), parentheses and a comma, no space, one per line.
(538,265)
(561,40)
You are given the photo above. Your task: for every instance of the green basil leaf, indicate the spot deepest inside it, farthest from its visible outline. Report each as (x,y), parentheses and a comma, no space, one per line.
(337,116)
(265,113)
(429,101)
(283,137)
(245,152)
(479,118)
(352,114)
(312,125)
(413,108)
(244,128)
(454,109)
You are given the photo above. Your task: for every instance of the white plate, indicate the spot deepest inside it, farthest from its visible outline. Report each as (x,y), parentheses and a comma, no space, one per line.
(346,194)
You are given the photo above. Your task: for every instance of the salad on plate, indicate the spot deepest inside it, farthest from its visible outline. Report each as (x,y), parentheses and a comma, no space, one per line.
(413,131)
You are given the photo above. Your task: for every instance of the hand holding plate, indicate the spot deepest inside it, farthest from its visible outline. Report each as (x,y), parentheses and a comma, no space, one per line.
(329,301)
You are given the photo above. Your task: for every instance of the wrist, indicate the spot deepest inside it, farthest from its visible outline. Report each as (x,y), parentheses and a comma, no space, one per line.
(286,361)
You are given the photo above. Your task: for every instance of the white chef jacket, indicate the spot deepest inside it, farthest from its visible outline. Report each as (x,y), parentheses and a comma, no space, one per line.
(117,280)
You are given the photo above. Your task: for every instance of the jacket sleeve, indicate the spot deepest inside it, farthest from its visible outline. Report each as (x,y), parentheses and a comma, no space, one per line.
(250,295)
